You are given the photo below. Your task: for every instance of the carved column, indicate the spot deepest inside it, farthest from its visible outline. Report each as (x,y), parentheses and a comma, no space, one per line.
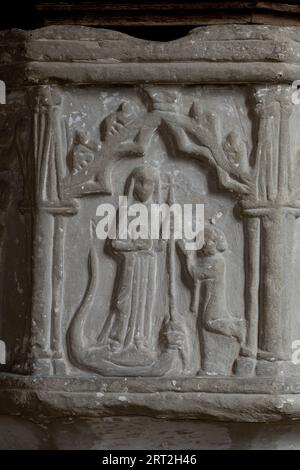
(40,154)
(272,209)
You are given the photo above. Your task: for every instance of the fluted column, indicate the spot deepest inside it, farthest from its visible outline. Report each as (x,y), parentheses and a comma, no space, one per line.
(270,213)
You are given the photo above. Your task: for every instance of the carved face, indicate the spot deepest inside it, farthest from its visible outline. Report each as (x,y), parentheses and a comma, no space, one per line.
(143,188)
(214,242)
(209,248)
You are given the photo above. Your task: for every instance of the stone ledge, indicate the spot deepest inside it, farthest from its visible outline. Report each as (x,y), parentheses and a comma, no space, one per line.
(237,399)
(215,406)
(211,54)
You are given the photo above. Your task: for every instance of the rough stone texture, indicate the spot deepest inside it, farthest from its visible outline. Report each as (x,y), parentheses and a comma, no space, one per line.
(143,433)
(97,328)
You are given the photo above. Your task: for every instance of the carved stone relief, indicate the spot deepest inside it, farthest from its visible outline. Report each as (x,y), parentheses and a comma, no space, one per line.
(136,336)
(151,138)
(140,309)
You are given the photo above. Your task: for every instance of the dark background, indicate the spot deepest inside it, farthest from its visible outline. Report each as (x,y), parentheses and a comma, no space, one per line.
(164,20)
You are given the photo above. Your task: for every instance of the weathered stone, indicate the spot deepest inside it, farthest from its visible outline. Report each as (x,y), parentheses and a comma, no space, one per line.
(133,433)
(97,327)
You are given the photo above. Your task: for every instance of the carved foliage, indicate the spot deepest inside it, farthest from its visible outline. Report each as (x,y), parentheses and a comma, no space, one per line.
(91,162)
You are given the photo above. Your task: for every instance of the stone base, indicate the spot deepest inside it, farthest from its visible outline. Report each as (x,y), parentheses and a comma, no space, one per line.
(221,399)
(141,432)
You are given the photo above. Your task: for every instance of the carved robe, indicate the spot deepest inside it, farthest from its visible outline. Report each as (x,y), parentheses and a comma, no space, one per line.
(130,319)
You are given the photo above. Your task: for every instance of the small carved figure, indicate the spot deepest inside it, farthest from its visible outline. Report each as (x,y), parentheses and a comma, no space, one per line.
(236,150)
(207,270)
(83,151)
